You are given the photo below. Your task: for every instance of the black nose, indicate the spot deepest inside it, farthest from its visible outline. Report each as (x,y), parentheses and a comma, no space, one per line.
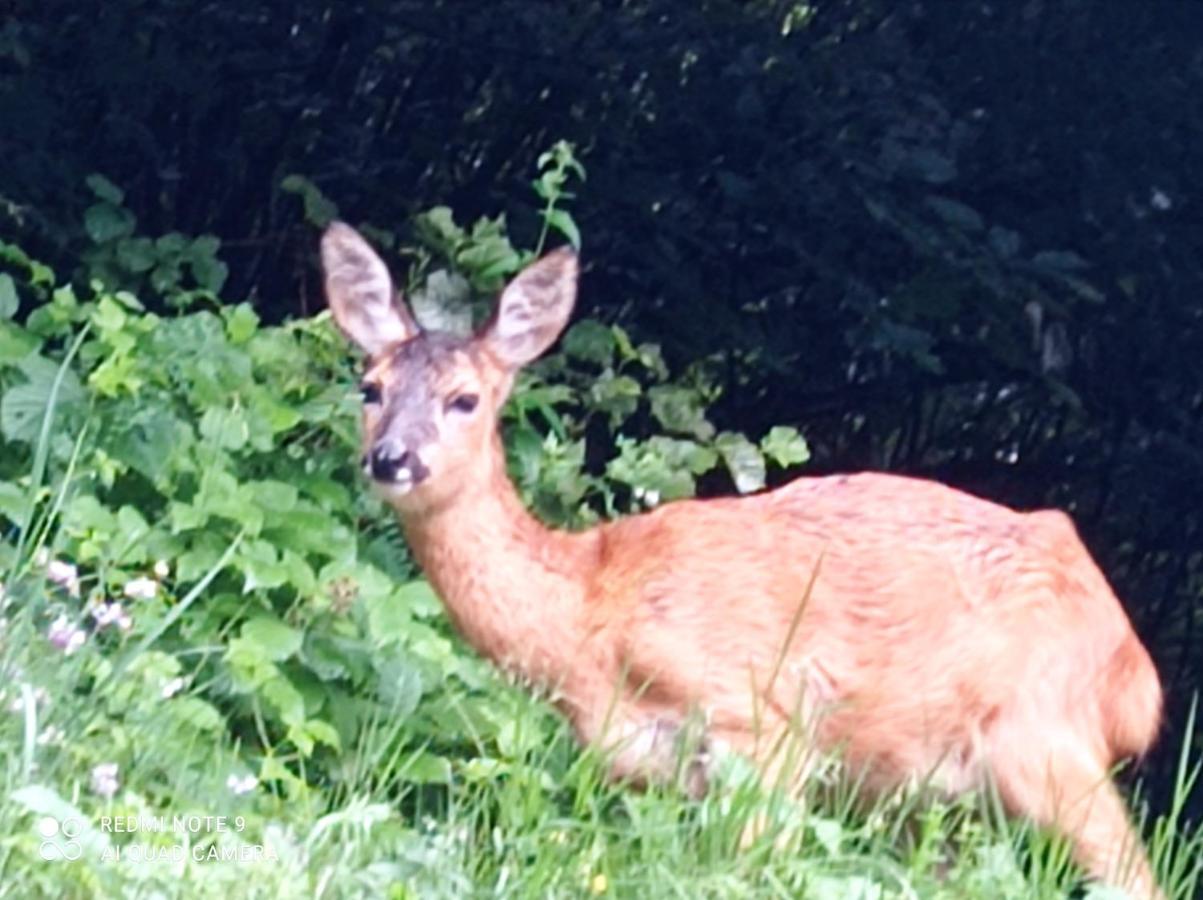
(386,463)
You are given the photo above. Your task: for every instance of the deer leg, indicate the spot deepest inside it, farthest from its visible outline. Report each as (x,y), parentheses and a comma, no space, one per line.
(655,749)
(1071,792)
(782,765)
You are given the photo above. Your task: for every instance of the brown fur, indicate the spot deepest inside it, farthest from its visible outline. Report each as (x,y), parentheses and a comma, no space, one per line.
(924,633)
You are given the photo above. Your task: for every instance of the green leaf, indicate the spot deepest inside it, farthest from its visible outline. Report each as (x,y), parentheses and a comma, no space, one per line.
(616,396)
(387,619)
(743,460)
(199,714)
(785,446)
(40,274)
(275,640)
(955,213)
(23,406)
(561,220)
(287,700)
(418,598)
(444,303)
(487,260)
(437,229)
(323,733)
(108,315)
(274,496)
(104,189)
(132,526)
(137,254)
(8,296)
(319,210)
(13,501)
(241,322)
(106,222)
(399,685)
(15,343)
(210,272)
(228,428)
(680,410)
(591,341)
(144,434)
(427,768)
(260,565)
(204,551)
(171,244)
(664,466)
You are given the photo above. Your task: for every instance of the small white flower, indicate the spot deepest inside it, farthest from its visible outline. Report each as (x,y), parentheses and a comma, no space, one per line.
(171,688)
(65,635)
(64,575)
(104,780)
(243,785)
(651,497)
(107,614)
(40,698)
(52,735)
(141,589)
(162,570)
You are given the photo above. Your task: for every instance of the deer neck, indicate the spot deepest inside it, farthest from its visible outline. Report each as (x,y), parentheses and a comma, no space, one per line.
(512,586)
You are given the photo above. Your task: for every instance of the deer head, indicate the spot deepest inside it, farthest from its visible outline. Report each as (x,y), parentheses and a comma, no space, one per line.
(431,399)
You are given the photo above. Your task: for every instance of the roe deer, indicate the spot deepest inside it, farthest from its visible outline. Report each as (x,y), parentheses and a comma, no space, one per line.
(926,633)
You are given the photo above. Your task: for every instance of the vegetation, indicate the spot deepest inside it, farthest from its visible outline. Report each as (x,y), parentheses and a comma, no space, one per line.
(850,220)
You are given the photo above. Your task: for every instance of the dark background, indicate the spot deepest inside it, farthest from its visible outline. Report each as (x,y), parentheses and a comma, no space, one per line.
(958,240)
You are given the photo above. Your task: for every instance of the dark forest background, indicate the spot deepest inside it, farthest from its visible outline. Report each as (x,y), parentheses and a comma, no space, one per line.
(956,240)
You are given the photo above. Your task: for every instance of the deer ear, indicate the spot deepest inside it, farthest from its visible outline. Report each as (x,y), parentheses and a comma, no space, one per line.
(360,292)
(533,309)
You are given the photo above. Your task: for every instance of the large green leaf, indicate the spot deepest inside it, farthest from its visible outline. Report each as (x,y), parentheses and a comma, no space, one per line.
(24,406)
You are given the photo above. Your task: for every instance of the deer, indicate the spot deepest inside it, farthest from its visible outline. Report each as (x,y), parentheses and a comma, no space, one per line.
(920,631)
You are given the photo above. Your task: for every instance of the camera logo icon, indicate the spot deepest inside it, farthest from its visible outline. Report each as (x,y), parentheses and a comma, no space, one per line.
(59,838)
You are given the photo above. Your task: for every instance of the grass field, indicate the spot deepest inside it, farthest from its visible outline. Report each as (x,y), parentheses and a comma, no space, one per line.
(540,823)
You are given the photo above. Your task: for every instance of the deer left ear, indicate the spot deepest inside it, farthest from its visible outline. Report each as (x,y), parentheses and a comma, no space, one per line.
(533,309)
(360,292)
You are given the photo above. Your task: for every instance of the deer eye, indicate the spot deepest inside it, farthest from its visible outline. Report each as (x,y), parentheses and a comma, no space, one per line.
(463,403)
(370,392)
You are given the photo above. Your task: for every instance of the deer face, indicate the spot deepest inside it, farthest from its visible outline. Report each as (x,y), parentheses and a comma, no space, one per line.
(430,399)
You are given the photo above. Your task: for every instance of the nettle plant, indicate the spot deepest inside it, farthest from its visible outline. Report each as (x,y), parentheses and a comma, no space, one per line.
(178,499)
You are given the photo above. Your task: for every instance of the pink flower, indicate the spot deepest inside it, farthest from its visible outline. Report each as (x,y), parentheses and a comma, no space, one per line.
(104,780)
(107,614)
(66,636)
(64,575)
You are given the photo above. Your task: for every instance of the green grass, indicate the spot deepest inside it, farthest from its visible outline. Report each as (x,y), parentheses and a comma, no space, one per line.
(540,823)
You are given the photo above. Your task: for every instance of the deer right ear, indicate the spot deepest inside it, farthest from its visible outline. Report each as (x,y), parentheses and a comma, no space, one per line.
(533,309)
(360,292)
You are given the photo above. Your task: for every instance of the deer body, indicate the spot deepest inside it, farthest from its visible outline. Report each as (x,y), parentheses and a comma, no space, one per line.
(921,632)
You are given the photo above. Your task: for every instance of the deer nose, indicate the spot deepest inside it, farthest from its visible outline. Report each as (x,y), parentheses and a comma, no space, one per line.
(388,461)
